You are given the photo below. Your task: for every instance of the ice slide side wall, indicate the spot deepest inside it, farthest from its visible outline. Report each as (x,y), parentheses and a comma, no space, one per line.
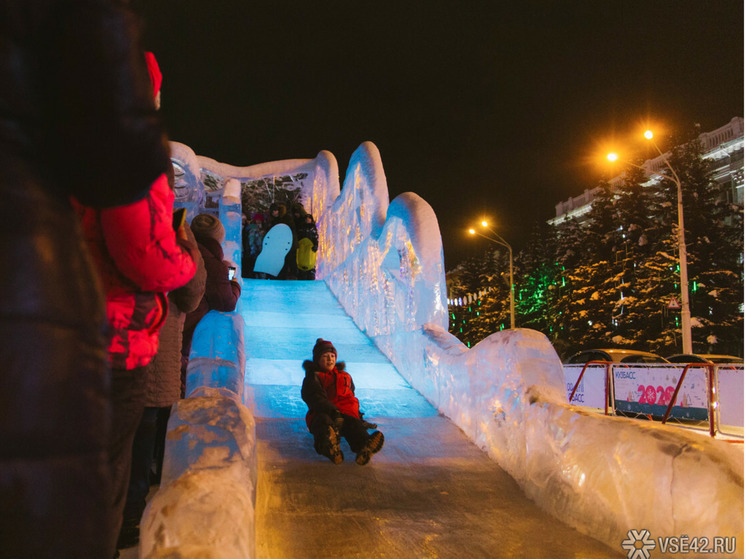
(604,476)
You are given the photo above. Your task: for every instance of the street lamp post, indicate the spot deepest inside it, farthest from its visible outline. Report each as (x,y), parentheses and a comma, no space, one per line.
(686,317)
(500,241)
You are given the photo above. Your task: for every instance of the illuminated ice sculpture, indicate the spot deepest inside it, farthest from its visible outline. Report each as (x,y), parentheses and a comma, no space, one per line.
(605,476)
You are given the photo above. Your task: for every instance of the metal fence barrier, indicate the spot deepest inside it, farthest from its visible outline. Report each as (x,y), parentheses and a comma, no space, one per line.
(692,395)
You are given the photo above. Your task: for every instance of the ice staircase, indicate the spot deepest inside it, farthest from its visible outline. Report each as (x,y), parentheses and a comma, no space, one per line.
(429,493)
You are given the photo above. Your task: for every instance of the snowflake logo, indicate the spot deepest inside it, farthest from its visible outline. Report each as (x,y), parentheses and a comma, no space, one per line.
(638,544)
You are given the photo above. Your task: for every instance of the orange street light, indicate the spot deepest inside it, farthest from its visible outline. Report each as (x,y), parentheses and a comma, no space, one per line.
(500,241)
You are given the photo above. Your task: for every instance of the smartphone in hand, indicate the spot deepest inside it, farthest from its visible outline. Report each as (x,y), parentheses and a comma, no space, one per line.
(231,272)
(179,218)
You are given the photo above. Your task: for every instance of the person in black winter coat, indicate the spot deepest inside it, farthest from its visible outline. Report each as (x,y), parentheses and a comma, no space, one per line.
(298,216)
(252,236)
(77,120)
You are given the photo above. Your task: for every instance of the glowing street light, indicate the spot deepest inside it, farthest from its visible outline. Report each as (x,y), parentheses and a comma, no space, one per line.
(500,241)
(686,317)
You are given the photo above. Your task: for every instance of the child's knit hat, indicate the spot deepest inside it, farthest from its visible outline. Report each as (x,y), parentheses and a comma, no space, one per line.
(208,226)
(321,347)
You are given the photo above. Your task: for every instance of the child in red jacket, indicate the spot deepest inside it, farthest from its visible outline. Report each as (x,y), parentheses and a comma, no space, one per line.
(333,408)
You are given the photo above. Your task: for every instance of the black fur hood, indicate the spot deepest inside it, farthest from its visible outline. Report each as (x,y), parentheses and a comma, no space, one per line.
(310,367)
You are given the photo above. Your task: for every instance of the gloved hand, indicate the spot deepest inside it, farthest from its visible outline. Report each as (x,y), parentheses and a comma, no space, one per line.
(368,424)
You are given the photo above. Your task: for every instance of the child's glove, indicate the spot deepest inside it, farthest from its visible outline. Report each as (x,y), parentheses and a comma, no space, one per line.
(367,424)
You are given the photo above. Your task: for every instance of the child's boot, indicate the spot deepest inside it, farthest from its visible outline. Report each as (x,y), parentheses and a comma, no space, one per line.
(329,446)
(371,446)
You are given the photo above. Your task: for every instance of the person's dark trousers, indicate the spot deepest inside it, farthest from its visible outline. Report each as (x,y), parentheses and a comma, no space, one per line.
(351,429)
(355,432)
(160,444)
(307,274)
(319,428)
(142,457)
(128,402)
(291,268)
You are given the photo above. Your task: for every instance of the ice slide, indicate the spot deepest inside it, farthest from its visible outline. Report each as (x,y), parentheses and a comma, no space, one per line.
(429,493)
(612,478)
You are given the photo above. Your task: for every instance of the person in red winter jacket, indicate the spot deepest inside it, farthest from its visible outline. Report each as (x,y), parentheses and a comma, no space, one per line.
(333,408)
(139,257)
(162,389)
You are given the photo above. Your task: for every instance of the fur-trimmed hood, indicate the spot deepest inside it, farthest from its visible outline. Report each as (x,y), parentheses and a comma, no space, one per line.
(310,367)
(328,393)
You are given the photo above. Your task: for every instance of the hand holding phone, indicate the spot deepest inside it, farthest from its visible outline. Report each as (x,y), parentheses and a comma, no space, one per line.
(231,272)
(179,218)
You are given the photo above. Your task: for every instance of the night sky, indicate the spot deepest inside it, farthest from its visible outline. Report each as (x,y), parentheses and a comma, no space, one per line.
(484,108)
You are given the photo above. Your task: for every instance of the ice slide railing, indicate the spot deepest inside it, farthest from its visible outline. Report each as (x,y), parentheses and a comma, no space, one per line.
(604,476)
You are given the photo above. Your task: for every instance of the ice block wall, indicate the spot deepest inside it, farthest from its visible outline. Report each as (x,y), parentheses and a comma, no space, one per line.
(605,476)
(368,257)
(189,192)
